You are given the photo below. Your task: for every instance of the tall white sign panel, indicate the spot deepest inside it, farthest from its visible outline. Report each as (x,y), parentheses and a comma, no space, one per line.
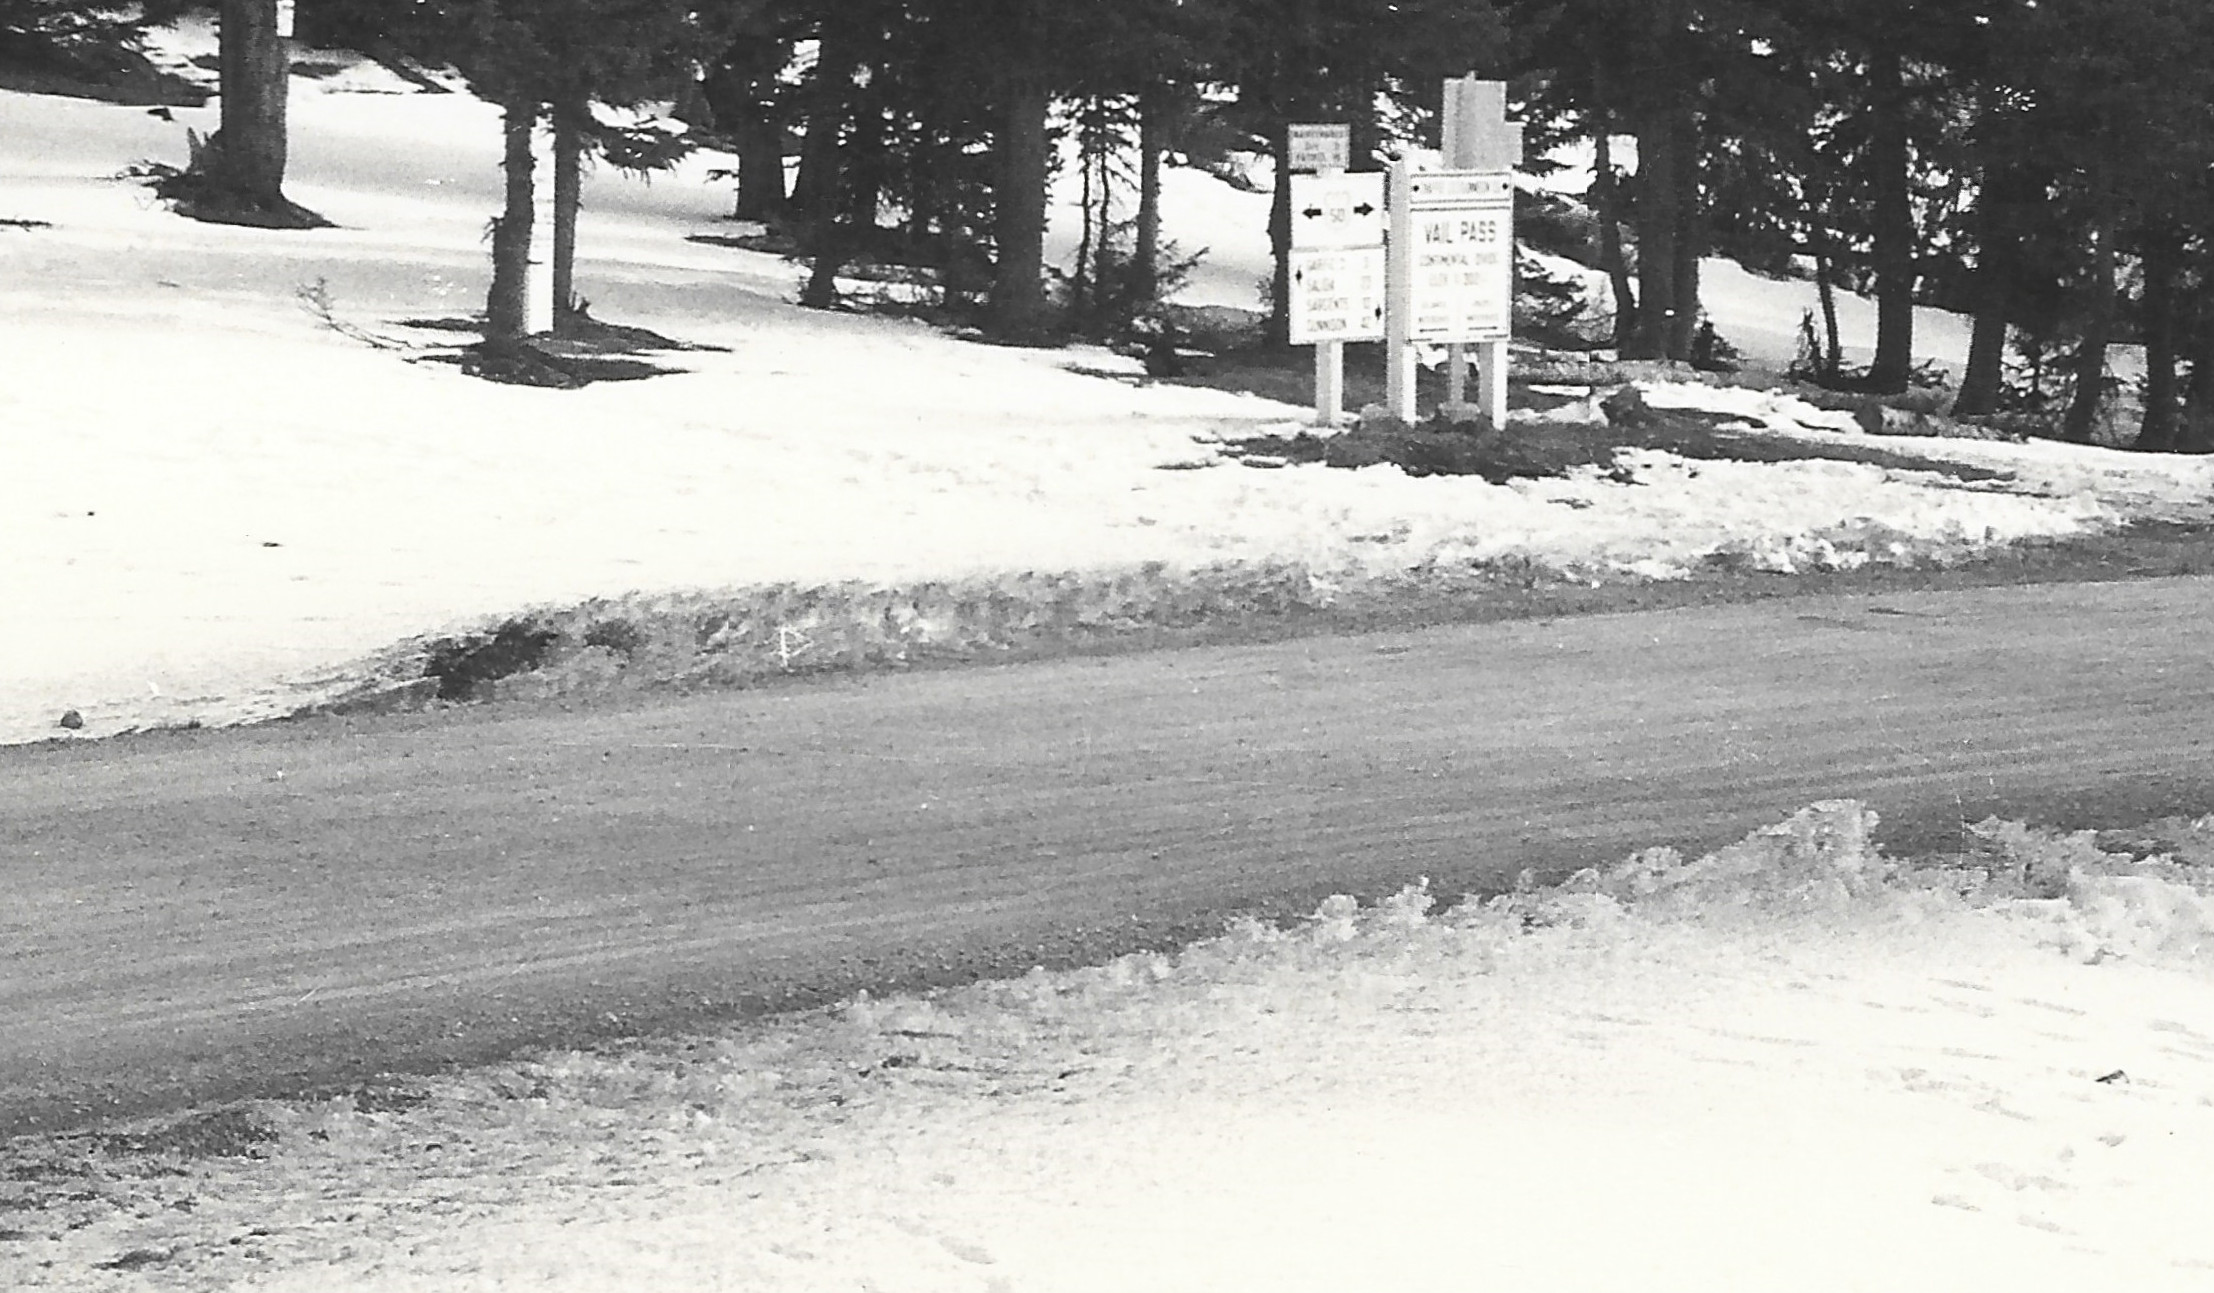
(1337,258)
(1451,268)
(1461,252)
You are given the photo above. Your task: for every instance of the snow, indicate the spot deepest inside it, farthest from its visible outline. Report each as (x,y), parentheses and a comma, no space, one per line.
(1794,1063)
(217,504)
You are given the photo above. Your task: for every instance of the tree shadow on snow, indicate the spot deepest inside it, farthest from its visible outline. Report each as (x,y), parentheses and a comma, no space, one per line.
(580,351)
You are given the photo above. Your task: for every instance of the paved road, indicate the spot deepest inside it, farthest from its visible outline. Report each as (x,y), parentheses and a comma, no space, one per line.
(198,915)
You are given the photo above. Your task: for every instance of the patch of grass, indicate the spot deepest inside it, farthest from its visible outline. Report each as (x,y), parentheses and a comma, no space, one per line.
(220,1133)
(1439,449)
(1530,449)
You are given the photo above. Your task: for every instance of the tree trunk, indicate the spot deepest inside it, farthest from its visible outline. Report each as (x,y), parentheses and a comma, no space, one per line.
(2090,364)
(1608,201)
(1018,303)
(821,291)
(507,306)
(1690,235)
(736,92)
(1657,222)
(1979,385)
(250,145)
(1832,353)
(1278,330)
(1997,202)
(1091,207)
(309,29)
(1145,254)
(1893,254)
(829,103)
(1657,103)
(2162,260)
(569,120)
(760,145)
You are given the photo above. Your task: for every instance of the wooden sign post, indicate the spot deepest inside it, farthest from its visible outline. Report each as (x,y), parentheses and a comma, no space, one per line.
(1337,258)
(1451,274)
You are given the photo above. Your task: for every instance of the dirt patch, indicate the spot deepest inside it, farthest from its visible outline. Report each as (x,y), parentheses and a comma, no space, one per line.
(1530,448)
(463,666)
(581,351)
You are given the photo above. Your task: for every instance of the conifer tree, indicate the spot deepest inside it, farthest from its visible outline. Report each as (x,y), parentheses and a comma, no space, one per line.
(540,59)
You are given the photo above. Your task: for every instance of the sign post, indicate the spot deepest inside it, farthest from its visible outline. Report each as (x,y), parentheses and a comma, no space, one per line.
(1337,258)
(1452,257)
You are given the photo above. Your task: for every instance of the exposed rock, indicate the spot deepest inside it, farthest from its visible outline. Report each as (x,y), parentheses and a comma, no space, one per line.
(1376,417)
(1886,419)
(1465,415)
(71,719)
(1627,407)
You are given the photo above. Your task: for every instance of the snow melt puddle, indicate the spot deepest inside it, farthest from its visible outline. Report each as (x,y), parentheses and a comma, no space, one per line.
(1792,1064)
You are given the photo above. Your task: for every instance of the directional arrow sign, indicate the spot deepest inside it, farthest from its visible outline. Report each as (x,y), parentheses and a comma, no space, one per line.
(1330,211)
(1337,295)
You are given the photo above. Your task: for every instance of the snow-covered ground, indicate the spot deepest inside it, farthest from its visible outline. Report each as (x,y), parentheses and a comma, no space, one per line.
(214,502)
(1793,1064)
(1788,1066)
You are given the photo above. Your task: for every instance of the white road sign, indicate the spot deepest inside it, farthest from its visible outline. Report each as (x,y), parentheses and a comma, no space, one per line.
(1337,211)
(1337,295)
(1461,256)
(1319,148)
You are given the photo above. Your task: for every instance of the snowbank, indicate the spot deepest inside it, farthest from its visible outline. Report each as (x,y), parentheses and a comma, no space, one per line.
(1795,1063)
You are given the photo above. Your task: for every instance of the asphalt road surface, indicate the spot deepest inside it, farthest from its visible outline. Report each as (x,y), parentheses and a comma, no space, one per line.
(194,916)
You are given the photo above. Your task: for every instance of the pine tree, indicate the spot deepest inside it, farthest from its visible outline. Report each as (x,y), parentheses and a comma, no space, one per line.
(90,47)
(555,58)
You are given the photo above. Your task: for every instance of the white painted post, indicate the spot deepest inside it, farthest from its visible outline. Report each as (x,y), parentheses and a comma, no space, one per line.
(1457,136)
(1399,349)
(1330,364)
(1491,384)
(1330,382)
(284,19)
